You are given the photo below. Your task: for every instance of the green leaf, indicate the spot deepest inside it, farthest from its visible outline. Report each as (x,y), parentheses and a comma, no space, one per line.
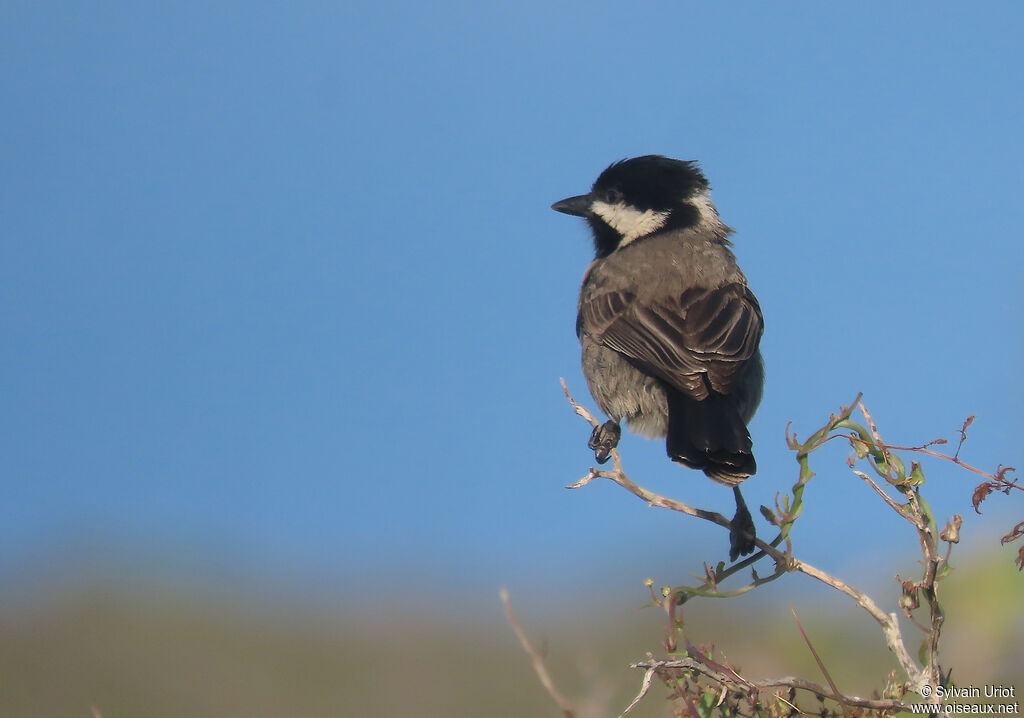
(899,469)
(928,514)
(860,449)
(916,474)
(707,704)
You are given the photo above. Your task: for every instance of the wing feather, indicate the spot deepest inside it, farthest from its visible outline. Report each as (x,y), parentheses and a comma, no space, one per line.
(698,339)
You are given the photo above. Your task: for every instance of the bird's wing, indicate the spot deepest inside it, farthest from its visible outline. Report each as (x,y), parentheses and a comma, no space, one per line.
(693,340)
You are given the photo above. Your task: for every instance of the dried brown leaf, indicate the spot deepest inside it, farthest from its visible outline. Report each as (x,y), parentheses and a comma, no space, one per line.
(980,492)
(1001,474)
(951,533)
(963,435)
(1015,533)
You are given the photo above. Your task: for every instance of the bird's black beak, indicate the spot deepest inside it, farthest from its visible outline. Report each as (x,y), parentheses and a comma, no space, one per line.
(578,206)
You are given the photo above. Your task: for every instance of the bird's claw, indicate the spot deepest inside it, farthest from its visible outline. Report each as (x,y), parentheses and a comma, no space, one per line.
(603,439)
(742,534)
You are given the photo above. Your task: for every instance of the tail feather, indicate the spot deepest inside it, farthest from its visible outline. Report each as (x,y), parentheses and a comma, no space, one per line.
(711,436)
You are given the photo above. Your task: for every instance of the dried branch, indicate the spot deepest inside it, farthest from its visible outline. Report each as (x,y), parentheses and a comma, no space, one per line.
(746,686)
(535,658)
(963,435)
(645,686)
(922,518)
(885,497)
(817,658)
(999,476)
(889,622)
(910,505)
(784,560)
(652,498)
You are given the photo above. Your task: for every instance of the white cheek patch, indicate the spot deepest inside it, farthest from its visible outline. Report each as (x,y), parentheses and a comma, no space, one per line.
(630,222)
(706,210)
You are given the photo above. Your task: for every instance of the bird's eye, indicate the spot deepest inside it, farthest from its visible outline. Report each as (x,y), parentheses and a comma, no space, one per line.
(613,196)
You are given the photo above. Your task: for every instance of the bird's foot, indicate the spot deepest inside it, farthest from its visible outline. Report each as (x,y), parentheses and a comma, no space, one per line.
(742,533)
(604,439)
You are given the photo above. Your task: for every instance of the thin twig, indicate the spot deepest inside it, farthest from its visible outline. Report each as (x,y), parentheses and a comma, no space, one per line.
(920,518)
(644,687)
(963,435)
(746,685)
(921,450)
(821,664)
(889,622)
(698,655)
(655,499)
(791,705)
(535,658)
(582,411)
(888,499)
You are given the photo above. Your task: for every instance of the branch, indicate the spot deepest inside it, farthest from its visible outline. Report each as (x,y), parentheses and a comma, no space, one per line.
(885,497)
(652,498)
(923,521)
(645,686)
(998,476)
(889,623)
(535,658)
(736,682)
(817,658)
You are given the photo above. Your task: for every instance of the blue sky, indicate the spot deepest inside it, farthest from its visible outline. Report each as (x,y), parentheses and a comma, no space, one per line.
(284,300)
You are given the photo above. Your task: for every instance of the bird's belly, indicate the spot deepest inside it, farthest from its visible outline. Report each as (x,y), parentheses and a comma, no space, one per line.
(624,392)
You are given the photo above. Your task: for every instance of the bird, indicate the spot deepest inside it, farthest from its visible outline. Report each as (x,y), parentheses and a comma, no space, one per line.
(669,329)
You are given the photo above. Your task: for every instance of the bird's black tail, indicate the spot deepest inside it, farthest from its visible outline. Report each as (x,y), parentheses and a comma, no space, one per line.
(711,436)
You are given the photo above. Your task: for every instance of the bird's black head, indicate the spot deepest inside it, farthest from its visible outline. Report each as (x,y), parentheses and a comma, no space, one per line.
(641,196)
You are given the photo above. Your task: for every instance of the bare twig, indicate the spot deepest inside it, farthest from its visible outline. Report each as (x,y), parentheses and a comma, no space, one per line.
(791,705)
(963,435)
(582,411)
(535,658)
(885,497)
(821,664)
(889,623)
(746,685)
(645,686)
(652,498)
(922,520)
(890,467)
(929,452)
(699,655)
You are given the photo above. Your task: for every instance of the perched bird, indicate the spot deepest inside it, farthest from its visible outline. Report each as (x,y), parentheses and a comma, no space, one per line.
(668,326)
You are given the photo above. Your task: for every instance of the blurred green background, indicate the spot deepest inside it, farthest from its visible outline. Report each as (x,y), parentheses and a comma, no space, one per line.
(134,647)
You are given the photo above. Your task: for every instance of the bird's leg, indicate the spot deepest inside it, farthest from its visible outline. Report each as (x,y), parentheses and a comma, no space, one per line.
(742,533)
(604,439)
